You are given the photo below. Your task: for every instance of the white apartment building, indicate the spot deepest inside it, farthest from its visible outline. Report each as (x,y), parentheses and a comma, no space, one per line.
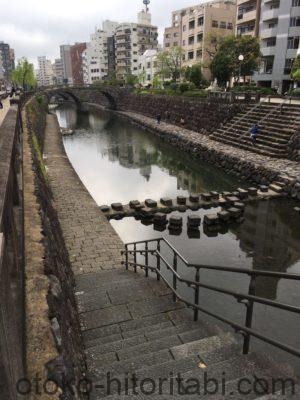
(45,72)
(95,57)
(65,56)
(147,66)
(58,71)
(279,30)
(131,41)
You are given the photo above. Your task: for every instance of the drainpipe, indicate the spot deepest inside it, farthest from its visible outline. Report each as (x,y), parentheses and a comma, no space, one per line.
(258,12)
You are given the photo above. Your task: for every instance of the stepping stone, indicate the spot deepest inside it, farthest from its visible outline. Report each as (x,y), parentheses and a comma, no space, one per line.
(239,205)
(206,196)
(215,195)
(263,188)
(147,211)
(224,216)
(275,188)
(151,203)
(105,209)
(194,198)
(194,221)
(236,194)
(223,203)
(181,200)
(225,194)
(252,191)
(138,207)
(175,220)
(134,203)
(117,206)
(160,218)
(166,201)
(211,219)
(232,199)
(242,193)
(297,209)
(160,227)
(175,230)
(193,233)
(234,212)
(182,208)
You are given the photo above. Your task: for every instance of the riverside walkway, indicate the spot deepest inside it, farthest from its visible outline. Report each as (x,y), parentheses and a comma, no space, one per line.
(130,325)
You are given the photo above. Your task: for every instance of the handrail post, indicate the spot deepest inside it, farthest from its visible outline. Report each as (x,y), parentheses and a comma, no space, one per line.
(158,260)
(146,260)
(197,279)
(249,314)
(134,256)
(126,256)
(174,276)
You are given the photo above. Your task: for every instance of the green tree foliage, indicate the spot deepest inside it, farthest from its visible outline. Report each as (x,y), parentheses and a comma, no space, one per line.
(169,63)
(132,80)
(23,74)
(225,63)
(193,74)
(295,73)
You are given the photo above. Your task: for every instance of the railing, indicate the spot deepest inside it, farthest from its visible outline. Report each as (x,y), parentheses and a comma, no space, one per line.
(12,303)
(162,265)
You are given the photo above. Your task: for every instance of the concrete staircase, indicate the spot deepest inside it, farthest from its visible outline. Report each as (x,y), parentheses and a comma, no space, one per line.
(276,129)
(131,327)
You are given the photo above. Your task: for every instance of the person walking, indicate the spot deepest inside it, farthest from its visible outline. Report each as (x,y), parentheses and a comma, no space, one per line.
(158,118)
(254,131)
(1,105)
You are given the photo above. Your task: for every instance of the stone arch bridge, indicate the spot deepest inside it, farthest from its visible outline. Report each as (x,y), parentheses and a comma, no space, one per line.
(110,97)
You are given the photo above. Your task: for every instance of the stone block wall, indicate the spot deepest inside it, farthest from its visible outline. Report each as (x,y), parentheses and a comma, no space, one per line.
(294,146)
(70,365)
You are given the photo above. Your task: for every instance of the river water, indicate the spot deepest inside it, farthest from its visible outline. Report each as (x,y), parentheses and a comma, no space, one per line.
(119,162)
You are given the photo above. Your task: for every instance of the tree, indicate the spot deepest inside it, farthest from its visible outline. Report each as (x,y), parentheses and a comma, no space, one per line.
(194,74)
(225,63)
(295,73)
(131,80)
(169,63)
(23,74)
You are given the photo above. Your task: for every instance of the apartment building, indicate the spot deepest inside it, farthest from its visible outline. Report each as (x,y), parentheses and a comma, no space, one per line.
(98,59)
(45,76)
(279,31)
(58,71)
(148,66)
(193,28)
(7,60)
(131,41)
(247,17)
(76,60)
(65,55)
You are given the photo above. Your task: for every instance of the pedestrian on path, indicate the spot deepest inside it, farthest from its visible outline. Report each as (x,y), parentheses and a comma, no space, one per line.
(1,105)
(158,118)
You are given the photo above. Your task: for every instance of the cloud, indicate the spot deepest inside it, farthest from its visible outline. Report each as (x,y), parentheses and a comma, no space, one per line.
(35,27)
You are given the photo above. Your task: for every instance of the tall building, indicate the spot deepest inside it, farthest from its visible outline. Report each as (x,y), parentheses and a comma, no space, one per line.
(194,27)
(279,31)
(45,72)
(58,71)
(131,41)
(7,60)
(148,66)
(98,58)
(247,17)
(65,55)
(77,62)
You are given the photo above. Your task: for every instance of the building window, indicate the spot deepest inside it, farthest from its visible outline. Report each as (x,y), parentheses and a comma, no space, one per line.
(296,3)
(271,42)
(199,54)
(148,64)
(200,21)
(229,25)
(190,55)
(223,25)
(215,24)
(184,28)
(167,35)
(295,21)
(199,37)
(288,66)
(191,40)
(176,34)
(293,42)
(167,44)
(192,24)
(149,77)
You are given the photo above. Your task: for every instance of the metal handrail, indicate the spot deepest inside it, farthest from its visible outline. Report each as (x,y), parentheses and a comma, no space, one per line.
(247,299)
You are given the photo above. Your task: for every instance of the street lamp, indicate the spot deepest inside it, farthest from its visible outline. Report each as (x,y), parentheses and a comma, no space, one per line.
(241,59)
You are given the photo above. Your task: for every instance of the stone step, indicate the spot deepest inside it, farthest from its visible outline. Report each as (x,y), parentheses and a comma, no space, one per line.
(276,188)
(265,133)
(262,138)
(247,142)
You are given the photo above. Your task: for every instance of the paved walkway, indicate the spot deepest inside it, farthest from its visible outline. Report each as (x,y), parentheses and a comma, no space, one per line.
(4,110)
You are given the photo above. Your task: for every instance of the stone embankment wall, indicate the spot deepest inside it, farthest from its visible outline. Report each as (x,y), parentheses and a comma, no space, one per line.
(69,364)
(294,146)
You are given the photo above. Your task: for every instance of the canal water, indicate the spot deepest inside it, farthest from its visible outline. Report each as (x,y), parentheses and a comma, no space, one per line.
(119,162)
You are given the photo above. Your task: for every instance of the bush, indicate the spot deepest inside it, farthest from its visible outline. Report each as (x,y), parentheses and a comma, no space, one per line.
(196,93)
(295,92)
(184,87)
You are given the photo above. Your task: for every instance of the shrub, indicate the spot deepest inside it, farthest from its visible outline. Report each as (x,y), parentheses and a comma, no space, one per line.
(295,92)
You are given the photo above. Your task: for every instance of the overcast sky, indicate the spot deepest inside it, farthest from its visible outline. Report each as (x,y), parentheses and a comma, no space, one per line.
(37,27)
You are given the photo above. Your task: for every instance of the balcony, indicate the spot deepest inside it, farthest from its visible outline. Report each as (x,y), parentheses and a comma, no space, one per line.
(246,17)
(270,14)
(268,51)
(268,33)
(240,2)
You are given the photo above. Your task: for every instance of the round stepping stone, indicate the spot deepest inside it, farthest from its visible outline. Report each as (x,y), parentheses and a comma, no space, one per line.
(263,188)
(236,193)
(211,219)
(117,206)
(252,191)
(223,202)
(242,193)
(104,208)
(239,205)
(175,230)
(206,196)
(232,199)
(215,195)
(193,233)
(194,198)
(134,203)
(225,194)
(151,203)
(160,227)
(160,218)
(194,221)
(234,212)
(224,216)
(175,220)
(181,200)
(166,201)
